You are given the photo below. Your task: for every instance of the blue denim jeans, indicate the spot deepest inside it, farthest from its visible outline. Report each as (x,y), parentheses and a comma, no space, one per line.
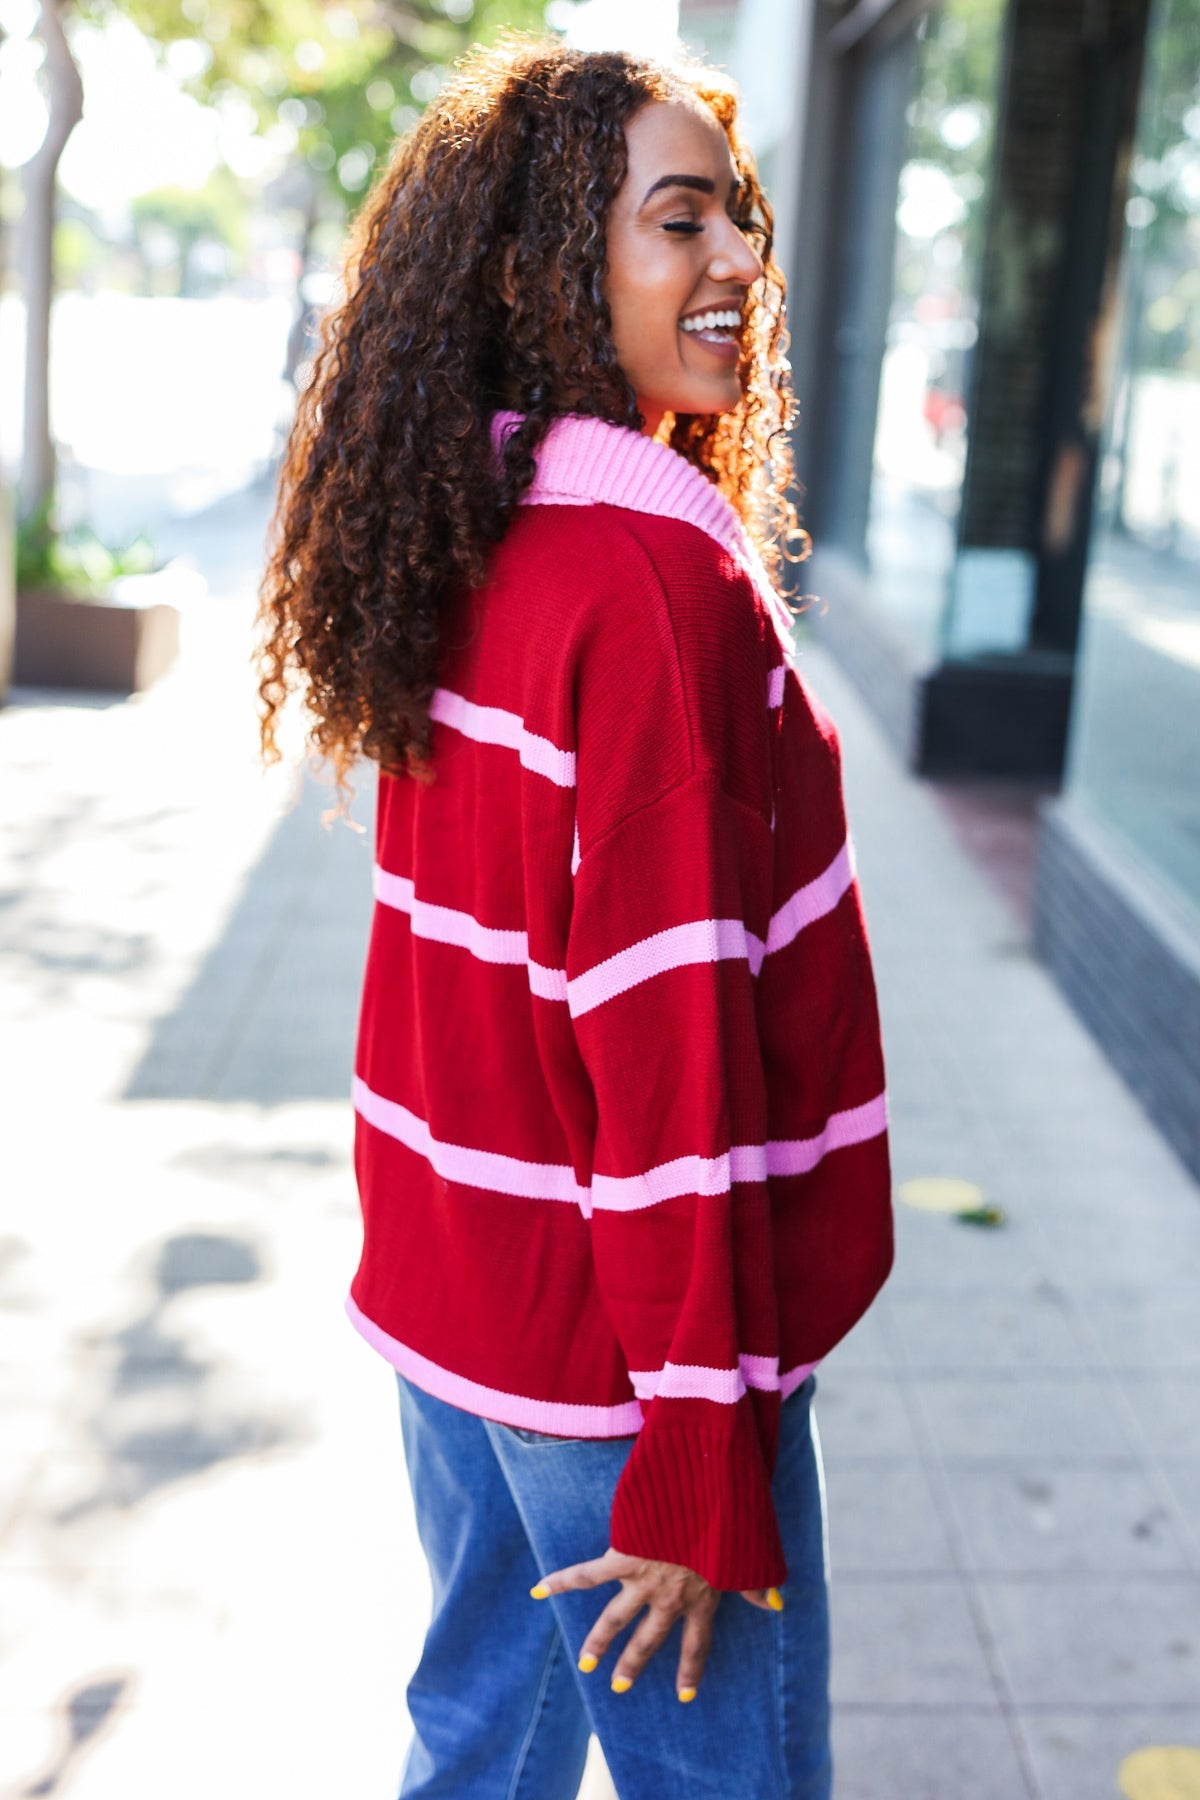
(499,1709)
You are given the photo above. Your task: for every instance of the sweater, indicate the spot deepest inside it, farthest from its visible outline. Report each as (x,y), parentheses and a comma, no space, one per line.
(621,1125)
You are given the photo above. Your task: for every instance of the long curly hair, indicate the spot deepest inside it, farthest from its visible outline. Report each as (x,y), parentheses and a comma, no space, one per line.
(390,494)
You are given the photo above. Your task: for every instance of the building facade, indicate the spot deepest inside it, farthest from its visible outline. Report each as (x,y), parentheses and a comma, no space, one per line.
(990,219)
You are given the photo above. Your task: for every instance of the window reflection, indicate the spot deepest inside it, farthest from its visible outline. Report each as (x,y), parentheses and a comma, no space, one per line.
(921,429)
(1136,740)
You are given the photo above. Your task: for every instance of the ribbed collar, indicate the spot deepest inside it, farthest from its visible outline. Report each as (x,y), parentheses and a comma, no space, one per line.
(583,461)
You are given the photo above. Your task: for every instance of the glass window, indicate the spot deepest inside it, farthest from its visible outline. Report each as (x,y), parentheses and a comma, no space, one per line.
(921,424)
(1135,746)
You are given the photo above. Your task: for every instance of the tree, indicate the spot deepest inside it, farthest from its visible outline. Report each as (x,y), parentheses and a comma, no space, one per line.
(336,80)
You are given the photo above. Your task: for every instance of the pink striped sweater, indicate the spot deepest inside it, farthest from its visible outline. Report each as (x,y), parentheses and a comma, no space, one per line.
(621,1133)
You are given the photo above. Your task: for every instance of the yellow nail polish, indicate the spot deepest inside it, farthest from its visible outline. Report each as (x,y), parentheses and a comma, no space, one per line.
(774,1599)
(621,1684)
(686,1694)
(540,1592)
(588,1662)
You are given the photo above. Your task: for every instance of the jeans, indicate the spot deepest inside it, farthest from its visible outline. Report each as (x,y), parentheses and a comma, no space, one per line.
(499,1709)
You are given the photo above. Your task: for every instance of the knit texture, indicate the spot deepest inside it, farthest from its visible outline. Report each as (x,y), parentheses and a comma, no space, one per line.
(621,1133)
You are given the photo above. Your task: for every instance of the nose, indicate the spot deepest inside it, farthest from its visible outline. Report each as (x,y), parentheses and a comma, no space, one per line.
(735,257)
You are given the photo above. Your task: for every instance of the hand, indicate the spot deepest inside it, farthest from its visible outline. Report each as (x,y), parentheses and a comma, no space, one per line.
(670,1592)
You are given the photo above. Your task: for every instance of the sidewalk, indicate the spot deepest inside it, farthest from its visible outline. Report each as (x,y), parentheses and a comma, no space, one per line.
(209,1575)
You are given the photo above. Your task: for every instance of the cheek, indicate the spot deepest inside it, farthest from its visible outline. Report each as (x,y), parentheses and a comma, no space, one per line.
(648,285)
(646,308)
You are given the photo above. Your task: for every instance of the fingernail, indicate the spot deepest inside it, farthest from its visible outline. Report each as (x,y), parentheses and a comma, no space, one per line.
(588,1662)
(540,1592)
(621,1684)
(686,1694)
(774,1599)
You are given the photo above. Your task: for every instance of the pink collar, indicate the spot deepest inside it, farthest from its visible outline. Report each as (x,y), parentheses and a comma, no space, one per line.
(584,461)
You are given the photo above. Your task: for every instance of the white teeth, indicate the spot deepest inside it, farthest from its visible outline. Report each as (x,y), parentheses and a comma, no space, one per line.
(712,321)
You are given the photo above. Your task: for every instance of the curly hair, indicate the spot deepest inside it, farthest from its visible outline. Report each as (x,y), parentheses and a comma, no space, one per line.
(390,494)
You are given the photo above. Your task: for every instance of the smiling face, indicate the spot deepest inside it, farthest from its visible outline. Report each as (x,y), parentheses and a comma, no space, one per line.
(679,266)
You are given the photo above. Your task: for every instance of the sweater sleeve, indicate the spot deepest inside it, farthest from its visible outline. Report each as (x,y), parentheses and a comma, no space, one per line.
(666,938)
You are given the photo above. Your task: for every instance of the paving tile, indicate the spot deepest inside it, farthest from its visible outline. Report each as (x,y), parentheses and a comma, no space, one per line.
(1030,1517)
(883,1518)
(1144,1327)
(861,1413)
(910,1754)
(936,1250)
(1077,1754)
(981,1326)
(1098,1641)
(1166,1408)
(1058,1417)
(1124,1246)
(901,1641)
(864,1347)
(1182,1480)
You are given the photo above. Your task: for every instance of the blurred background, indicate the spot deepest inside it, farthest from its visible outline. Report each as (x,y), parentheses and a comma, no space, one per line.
(988,212)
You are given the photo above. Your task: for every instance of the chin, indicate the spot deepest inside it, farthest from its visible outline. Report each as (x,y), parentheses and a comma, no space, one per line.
(698,405)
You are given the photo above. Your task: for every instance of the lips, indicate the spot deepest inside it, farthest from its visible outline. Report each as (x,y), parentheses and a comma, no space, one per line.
(715,330)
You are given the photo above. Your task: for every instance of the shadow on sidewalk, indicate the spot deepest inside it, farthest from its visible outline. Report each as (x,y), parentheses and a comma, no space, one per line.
(155,1413)
(271,1014)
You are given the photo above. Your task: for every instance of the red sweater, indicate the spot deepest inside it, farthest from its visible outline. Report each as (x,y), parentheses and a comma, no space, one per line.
(621,1134)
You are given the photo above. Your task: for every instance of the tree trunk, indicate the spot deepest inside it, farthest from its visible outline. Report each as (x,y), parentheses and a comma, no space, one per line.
(39,177)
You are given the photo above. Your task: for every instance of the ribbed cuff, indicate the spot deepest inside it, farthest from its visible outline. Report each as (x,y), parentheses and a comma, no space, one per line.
(701,1498)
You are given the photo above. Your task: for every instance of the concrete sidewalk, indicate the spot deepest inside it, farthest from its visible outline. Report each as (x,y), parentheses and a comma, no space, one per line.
(210,1577)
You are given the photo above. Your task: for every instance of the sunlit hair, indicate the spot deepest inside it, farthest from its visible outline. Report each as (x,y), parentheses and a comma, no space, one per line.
(390,496)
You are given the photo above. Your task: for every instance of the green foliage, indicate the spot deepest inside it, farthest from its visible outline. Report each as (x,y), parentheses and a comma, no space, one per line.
(1163,211)
(77,563)
(215,214)
(959,58)
(346,79)
(78,252)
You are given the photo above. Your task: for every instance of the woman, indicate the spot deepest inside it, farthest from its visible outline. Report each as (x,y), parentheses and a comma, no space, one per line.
(621,1130)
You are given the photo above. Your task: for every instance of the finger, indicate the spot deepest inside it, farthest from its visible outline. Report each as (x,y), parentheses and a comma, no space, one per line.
(769,1599)
(693,1654)
(650,1636)
(621,1611)
(595,1573)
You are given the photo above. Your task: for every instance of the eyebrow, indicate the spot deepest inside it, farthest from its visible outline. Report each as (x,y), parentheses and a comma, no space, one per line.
(700,183)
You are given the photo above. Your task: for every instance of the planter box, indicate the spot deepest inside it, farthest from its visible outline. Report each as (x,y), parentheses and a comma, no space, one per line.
(120,644)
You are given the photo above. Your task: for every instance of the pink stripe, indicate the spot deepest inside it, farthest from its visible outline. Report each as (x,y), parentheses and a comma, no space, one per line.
(760,1371)
(691,1381)
(559,1418)
(775,681)
(684,1175)
(500,1174)
(797,1156)
(495,725)
(699,941)
(448,925)
(812,901)
(459,1162)
(686,1381)
(794,1378)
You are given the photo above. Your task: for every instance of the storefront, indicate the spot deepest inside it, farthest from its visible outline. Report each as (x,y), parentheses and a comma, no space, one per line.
(1119,878)
(990,221)
(956,243)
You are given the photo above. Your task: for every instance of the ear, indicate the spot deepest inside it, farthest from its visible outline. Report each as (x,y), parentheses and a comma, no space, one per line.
(505,286)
